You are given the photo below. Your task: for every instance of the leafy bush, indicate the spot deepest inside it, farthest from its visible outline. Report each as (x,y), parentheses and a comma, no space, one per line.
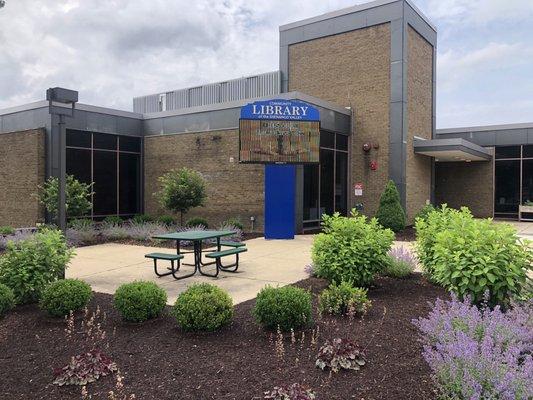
(141,219)
(181,190)
(7,299)
(236,222)
(426,234)
(476,256)
(166,220)
(343,299)
(390,212)
(139,301)
(424,212)
(350,249)
(340,354)
(292,392)
(78,196)
(113,220)
(18,236)
(30,265)
(203,307)
(286,307)
(197,221)
(479,353)
(7,230)
(401,263)
(85,368)
(62,297)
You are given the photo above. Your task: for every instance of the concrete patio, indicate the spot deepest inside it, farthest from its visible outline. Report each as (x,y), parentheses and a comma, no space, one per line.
(268,262)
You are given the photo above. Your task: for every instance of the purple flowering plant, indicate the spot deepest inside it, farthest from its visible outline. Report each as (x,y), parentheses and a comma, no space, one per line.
(401,262)
(479,353)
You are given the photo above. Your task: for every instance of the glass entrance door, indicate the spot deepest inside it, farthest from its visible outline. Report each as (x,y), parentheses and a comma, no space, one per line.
(326,184)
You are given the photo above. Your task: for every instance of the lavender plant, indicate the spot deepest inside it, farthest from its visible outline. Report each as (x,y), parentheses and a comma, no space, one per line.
(479,353)
(401,262)
(292,392)
(17,237)
(340,354)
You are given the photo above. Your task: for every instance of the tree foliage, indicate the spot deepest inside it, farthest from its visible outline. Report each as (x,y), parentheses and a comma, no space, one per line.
(390,213)
(78,196)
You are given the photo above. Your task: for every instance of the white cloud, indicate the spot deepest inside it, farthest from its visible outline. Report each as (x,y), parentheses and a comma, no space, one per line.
(480,11)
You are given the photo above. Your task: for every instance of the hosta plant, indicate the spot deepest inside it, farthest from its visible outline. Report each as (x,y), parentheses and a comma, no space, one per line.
(479,352)
(292,392)
(85,368)
(340,354)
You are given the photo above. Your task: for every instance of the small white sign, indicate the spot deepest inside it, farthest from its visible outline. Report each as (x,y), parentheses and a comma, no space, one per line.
(358,189)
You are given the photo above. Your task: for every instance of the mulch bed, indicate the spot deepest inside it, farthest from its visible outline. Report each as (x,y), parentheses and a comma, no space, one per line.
(158,361)
(406,235)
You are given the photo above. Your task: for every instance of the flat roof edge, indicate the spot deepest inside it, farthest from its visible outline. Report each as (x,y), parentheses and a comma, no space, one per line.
(454,143)
(79,106)
(482,128)
(352,10)
(24,107)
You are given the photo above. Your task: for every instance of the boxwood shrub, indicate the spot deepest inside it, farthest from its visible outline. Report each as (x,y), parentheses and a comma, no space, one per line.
(343,299)
(390,213)
(350,249)
(286,307)
(139,301)
(7,299)
(66,295)
(29,265)
(203,307)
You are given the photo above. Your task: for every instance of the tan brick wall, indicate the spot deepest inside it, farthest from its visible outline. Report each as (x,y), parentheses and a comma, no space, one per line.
(352,69)
(419,120)
(466,184)
(22,169)
(233,189)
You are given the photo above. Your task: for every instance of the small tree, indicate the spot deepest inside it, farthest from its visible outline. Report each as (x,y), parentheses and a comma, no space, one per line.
(78,196)
(181,190)
(390,213)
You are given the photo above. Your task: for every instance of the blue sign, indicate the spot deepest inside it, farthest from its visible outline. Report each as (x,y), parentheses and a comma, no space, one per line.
(280,109)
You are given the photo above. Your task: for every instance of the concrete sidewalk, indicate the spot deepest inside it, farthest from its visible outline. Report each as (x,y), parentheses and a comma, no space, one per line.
(275,262)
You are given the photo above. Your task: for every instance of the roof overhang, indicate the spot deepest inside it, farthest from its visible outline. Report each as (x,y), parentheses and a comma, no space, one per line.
(452,150)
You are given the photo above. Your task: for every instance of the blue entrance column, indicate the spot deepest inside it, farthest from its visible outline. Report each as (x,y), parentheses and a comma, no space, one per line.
(280,195)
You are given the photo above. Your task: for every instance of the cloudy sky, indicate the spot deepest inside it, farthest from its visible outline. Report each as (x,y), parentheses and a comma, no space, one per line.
(113,50)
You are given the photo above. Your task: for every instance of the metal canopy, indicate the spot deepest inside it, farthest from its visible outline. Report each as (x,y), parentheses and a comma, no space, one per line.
(452,150)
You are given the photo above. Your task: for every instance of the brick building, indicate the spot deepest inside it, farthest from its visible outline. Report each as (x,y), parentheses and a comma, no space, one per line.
(369,70)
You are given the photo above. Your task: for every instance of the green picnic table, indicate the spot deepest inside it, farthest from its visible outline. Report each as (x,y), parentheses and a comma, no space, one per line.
(197,238)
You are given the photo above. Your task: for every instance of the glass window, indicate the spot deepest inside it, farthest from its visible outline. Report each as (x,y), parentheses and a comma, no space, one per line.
(78,139)
(342,142)
(528,151)
(104,141)
(507,152)
(527,180)
(341,177)
(127,143)
(129,191)
(311,192)
(507,186)
(79,164)
(105,182)
(327,139)
(327,181)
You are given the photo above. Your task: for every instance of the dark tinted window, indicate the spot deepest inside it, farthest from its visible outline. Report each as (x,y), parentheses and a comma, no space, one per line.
(508,152)
(311,192)
(78,138)
(342,142)
(341,177)
(104,142)
(327,181)
(79,164)
(105,182)
(129,196)
(327,139)
(127,143)
(527,151)
(507,186)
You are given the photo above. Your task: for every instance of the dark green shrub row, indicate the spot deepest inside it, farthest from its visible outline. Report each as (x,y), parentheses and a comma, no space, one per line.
(472,257)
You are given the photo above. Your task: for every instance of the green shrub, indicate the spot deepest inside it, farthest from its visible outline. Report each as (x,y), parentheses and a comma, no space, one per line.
(424,212)
(197,221)
(203,307)
(426,234)
(350,249)
(285,307)
(113,220)
(141,218)
(139,301)
(390,213)
(343,299)
(7,230)
(236,222)
(181,190)
(66,295)
(30,265)
(7,299)
(476,256)
(78,196)
(167,220)
(81,224)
